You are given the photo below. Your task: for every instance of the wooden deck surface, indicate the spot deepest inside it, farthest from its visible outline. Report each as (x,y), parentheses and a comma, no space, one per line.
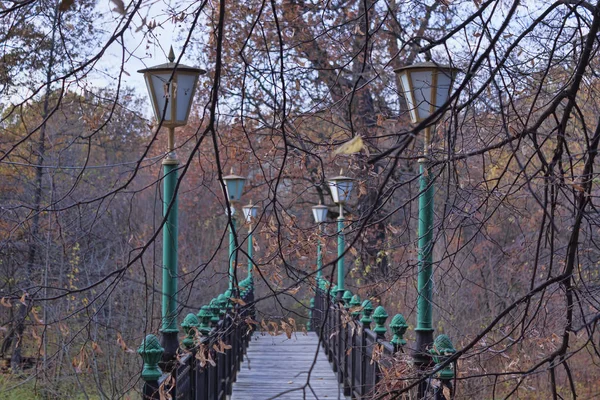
(276,367)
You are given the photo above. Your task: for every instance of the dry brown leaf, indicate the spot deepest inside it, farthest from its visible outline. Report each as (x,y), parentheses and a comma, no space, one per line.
(122,343)
(36,317)
(238,301)
(352,146)
(97,349)
(224,346)
(294,290)
(5,302)
(65,5)
(447,392)
(164,390)
(120,8)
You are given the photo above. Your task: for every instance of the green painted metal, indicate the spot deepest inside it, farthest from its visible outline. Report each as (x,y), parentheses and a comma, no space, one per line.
(334,291)
(151,352)
(441,351)
(190,325)
(346,299)
(340,264)
(231,252)
(310,314)
(367,310)
(380,316)
(222,303)
(215,310)
(170,231)
(205,316)
(398,327)
(227,295)
(355,306)
(425,270)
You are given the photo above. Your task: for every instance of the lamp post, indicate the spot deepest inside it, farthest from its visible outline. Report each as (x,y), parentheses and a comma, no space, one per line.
(250,214)
(340,191)
(234,184)
(171,87)
(426,88)
(320,214)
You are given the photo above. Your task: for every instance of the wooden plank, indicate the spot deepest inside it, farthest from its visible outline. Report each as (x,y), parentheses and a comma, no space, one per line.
(278,367)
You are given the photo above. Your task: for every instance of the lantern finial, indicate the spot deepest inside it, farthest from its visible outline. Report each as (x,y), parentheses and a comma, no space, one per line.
(171,56)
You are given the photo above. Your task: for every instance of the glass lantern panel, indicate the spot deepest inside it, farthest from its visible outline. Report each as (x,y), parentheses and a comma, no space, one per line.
(334,191)
(320,214)
(421,83)
(234,188)
(160,87)
(344,188)
(410,103)
(184,95)
(250,213)
(444,82)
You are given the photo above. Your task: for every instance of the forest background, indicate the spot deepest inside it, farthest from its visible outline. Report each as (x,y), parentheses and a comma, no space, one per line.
(517,283)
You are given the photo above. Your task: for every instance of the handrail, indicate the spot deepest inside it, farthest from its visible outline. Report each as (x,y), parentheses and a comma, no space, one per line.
(359,352)
(210,355)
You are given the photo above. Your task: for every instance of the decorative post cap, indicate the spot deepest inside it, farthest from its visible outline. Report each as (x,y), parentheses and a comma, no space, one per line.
(228,294)
(222,302)
(347,296)
(367,310)
(190,325)
(205,315)
(398,327)
(355,306)
(380,316)
(151,352)
(334,292)
(214,309)
(441,351)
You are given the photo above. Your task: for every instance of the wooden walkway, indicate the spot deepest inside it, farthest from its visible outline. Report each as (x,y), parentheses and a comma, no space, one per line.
(276,367)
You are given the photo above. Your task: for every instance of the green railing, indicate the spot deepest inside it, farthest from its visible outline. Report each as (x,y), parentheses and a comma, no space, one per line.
(210,355)
(353,335)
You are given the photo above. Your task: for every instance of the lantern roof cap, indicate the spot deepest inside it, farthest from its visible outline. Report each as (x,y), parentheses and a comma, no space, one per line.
(427,65)
(171,65)
(233,176)
(341,177)
(320,206)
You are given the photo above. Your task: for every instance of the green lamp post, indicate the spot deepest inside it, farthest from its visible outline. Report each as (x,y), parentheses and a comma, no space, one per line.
(234,185)
(320,214)
(426,88)
(250,214)
(340,186)
(171,87)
